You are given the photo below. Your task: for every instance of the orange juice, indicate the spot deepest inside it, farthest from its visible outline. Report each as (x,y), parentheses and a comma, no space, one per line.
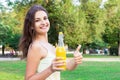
(60,52)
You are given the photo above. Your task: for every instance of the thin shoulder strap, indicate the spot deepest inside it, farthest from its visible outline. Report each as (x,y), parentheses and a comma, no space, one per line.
(43,46)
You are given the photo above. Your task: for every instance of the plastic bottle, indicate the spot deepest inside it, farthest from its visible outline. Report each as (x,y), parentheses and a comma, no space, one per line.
(60,49)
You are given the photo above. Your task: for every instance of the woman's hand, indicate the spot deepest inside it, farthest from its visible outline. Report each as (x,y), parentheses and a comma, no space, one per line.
(57,62)
(78,56)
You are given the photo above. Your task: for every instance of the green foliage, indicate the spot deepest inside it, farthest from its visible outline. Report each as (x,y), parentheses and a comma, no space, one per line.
(54,11)
(9,30)
(5,33)
(7,37)
(112,31)
(14,41)
(94,21)
(112,23)
(114,51)
(80,24)
(72,23)
(85,24)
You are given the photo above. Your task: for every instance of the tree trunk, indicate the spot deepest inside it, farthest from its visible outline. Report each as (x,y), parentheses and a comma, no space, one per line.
(3,48)
(119,48)
(118,43)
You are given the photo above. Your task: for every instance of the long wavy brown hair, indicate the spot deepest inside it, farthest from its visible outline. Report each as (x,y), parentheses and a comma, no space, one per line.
(28,32)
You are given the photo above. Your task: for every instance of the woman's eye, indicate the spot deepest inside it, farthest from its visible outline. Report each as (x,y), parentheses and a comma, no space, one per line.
(45,18)
(37,20)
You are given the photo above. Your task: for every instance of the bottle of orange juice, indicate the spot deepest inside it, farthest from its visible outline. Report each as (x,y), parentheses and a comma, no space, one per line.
(60,49)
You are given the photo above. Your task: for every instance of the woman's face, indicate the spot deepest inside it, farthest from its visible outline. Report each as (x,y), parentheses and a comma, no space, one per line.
(42,23)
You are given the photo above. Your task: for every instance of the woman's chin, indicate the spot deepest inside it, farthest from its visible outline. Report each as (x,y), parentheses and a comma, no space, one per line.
(43,32)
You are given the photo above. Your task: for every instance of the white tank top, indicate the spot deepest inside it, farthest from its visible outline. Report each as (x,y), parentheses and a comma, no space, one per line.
(46,62)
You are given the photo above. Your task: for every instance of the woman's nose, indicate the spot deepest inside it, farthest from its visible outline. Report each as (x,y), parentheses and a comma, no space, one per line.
(43,21)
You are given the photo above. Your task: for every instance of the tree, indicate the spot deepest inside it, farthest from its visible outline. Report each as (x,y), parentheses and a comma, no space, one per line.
(81,24)
(94,23)
(112,32)
(8,28)
(5,33)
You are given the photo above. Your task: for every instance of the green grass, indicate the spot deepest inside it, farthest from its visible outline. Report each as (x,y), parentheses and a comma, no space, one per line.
(15,70)
(12,70)
(94,71)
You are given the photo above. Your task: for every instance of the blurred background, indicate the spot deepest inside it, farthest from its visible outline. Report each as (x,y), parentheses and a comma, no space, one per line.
(95,24)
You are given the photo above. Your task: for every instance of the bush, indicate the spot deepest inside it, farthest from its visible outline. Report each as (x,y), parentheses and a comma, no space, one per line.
(114,51)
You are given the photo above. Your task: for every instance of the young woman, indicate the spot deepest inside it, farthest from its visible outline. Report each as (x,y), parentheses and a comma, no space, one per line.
(41,61)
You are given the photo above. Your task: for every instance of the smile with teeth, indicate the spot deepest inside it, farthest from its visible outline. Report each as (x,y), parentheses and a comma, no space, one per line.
(43,27)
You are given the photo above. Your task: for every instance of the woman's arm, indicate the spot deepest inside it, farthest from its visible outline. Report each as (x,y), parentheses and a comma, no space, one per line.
(73,62)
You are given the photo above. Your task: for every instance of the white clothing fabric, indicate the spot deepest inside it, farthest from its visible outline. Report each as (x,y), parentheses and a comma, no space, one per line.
(46,62)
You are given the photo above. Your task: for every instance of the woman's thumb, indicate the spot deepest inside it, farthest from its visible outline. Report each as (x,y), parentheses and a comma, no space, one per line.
(77,49)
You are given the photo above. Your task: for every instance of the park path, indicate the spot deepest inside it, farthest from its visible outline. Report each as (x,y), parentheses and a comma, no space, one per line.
(9,59)
(102,59)
(84,59)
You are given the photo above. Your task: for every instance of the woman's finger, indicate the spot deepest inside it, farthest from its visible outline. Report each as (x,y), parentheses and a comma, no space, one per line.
(78,48)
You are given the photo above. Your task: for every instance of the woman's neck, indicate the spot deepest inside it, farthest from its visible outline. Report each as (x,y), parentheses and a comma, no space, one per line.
(43,38)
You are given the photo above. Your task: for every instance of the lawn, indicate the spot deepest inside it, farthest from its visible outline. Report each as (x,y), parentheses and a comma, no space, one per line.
(14,70)
(94,71)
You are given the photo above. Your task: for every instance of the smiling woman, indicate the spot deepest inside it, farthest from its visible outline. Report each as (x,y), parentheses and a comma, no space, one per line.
(41,18)
(38,51)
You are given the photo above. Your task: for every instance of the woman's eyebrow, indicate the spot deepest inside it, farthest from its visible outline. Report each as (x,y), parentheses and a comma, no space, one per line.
(37,18)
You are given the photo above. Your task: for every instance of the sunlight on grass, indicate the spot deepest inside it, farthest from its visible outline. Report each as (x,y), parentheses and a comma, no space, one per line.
(15,70)
(10,76)
(12,70)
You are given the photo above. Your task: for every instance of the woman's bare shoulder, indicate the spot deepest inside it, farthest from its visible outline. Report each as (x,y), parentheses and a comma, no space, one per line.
(37,49)
(35,45)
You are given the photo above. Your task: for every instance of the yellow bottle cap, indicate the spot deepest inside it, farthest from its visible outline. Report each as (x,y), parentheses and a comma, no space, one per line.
(60,33)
